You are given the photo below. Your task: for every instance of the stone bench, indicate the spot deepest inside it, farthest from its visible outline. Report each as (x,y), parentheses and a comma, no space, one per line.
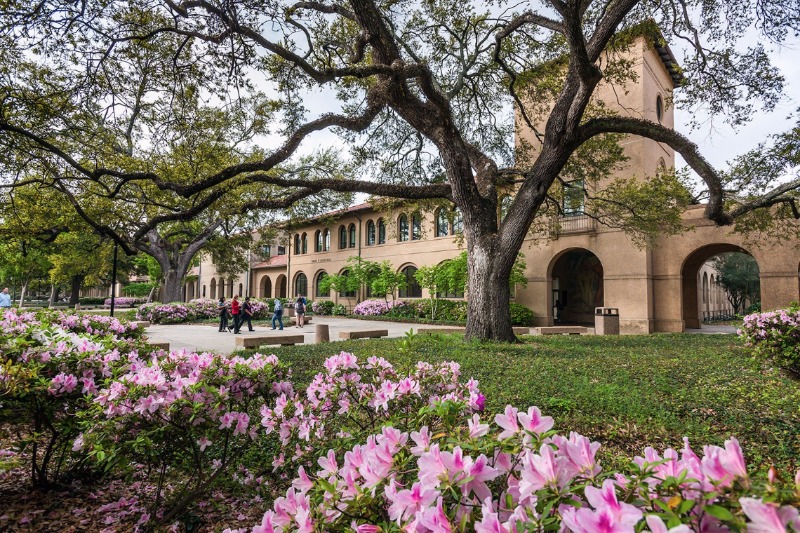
(563,330)
(364,334)
(140,324)
(159,345)
(293,320)
(255,342)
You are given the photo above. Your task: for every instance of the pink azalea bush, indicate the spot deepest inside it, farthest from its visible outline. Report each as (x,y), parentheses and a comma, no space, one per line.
(192,415)
(51,363)
(124,301)
(197,309)
(775,335)
(513,473)
(376,307)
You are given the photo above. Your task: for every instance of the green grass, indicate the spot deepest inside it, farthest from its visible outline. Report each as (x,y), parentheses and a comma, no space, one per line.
(628,392)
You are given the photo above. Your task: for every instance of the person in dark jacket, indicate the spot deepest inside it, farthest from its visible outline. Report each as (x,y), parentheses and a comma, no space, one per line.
(222,307)
(247,314)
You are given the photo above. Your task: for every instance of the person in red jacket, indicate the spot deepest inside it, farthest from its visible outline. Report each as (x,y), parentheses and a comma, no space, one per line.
(236,311)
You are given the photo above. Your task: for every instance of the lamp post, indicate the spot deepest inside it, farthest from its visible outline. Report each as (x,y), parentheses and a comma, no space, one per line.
(114,279)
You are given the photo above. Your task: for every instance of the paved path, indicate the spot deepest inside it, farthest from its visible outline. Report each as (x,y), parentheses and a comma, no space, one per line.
(206,337)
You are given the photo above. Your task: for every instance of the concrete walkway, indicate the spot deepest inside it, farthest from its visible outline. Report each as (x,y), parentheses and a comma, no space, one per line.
(714,329)
(206,337)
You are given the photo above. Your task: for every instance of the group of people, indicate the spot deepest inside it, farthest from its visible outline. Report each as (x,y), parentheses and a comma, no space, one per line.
(243,312)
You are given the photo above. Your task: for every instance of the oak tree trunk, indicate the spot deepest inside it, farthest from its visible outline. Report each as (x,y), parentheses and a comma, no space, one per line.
(75,294)
(488,313)
(172,285)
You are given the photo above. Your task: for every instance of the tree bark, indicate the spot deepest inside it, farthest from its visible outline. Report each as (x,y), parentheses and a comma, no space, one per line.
(74,297)
(172,284)
(54,290)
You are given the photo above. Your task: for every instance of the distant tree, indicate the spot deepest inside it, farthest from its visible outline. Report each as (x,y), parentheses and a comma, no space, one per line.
(739,275)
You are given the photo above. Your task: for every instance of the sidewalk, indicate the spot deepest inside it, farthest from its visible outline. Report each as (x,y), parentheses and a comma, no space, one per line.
(206,337)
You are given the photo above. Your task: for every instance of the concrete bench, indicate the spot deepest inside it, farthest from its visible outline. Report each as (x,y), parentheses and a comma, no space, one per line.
(293,320)
(563,330)
(140,324)
(159,345)
(364,334)
(283,340)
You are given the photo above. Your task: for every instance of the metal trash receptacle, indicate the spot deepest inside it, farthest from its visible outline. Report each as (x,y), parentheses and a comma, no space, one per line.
(606,321)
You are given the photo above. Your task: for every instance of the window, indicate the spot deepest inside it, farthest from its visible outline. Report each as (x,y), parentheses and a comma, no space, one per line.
(442,223)
(381,232)
(412,288)
(402,228)
(240,289)
(347,294)
(342,238)
(296,243)
(370,233)
(281,250)
(659,108)
(458,221)
(352,231)
(204,291)
(573,198)
(326,244)
(266,251)
(304,243)
(505,204)
(318,292)
(318,241)
(416,227)
(301,284)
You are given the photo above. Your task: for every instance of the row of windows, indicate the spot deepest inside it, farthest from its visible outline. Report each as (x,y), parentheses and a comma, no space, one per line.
(412,289)
(408,228)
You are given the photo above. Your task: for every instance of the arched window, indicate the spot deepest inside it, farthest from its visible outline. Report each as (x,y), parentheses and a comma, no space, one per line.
(659,108)
(240,289)
(304,243)
(204,291)
(318,242)
(347,294)
(214,289)
(370,233)
(458,221)
(442,223)
(326,245)
(301,284)
(296,243)
(505,204)
(705,287)
(402,228)
(342,237)
(412,288)
(352,231)
(318,292)
(381,231)
(416,227)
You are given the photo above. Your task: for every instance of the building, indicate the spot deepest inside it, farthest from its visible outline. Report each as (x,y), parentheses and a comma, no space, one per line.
(664,287)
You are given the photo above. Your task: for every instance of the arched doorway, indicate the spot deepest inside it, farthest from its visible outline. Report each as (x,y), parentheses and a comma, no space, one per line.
(717,281)
(280,287)
(266,287)
(577,287)
(213,289)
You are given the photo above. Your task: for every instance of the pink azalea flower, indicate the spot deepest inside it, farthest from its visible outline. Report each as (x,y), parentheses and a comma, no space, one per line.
(767,517)
(605,498)
(406,503)
(476,429)
(204,442)
(657,525)
(508,422)
(534,422)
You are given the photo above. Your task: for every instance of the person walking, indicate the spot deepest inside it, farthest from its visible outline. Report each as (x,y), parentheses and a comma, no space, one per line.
(300,310)
(5,299)
(247,314)
(222,307)
(278,308)
(236,311)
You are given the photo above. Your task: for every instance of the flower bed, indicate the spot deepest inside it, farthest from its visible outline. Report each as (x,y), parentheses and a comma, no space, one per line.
(775,335)
(124,301)
(377,307)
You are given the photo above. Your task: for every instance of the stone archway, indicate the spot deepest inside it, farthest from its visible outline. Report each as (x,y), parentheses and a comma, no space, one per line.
(213,289)
(266,287)
(280,287)
(577,287)
(692,303)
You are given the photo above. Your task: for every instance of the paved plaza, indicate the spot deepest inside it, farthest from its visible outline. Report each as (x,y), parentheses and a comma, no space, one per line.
(206,337)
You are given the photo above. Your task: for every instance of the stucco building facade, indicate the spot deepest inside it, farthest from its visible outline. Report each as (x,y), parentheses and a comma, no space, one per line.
(581,265)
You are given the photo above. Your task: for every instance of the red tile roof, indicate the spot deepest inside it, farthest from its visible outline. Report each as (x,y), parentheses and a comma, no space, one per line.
(274,261)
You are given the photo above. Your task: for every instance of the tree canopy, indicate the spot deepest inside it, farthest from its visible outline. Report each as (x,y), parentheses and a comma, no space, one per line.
(172,106)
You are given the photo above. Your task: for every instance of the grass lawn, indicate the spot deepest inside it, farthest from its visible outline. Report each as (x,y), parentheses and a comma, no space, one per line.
(628,392)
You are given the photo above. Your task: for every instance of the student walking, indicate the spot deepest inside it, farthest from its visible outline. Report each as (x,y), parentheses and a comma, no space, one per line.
(247,314)
(300,310)
(278,308)
(5,299)
(222,307)
(236,311)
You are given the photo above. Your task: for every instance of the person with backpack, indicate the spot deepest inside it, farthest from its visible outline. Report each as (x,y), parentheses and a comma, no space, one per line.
(278,308)
(300,310)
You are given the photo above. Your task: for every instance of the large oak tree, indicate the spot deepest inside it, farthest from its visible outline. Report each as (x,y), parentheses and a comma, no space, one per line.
(419,92)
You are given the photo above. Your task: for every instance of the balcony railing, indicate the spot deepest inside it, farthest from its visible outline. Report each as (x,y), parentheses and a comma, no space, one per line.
(568,225)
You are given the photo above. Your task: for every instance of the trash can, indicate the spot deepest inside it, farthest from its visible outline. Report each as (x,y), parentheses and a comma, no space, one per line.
(606,321)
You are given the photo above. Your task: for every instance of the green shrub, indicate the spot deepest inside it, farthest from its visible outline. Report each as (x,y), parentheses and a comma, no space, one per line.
(521,315)
(339,310)
(322,307)
(92,301)
(138,289)
(775,335)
